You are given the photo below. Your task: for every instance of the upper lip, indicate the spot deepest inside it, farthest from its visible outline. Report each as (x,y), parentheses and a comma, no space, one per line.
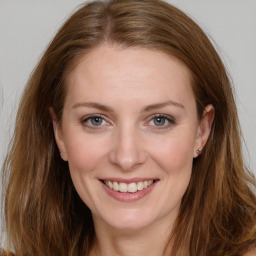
(131,180)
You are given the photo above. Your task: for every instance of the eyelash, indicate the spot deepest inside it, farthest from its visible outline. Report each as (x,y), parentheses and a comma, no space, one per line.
(170,121)
(90,118)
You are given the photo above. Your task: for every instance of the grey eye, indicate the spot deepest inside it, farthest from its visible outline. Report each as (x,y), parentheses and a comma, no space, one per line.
(159,121)
(96,121)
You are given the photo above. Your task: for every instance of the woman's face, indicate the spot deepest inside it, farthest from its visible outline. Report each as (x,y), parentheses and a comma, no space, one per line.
(129,133)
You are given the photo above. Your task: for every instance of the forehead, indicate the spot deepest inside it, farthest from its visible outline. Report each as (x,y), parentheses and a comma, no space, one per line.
(135,73)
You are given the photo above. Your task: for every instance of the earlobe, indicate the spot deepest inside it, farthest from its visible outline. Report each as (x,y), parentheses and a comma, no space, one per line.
(204,129)
(58,135)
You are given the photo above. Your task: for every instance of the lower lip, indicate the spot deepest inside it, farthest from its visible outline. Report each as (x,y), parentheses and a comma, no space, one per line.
(129,197)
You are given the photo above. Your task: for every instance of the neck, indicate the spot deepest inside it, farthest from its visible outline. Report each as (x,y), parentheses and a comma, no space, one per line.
(151,241)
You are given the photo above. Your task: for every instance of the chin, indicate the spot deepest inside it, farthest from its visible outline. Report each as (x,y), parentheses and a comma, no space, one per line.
(130,220)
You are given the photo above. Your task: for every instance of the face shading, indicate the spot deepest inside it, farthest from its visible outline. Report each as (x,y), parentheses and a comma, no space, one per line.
(129,132)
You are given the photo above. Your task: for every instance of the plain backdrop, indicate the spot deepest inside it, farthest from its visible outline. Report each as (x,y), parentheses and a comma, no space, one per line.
(27,26)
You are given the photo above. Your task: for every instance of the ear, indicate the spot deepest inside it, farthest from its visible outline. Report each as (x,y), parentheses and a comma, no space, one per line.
(58,134)
(204,129)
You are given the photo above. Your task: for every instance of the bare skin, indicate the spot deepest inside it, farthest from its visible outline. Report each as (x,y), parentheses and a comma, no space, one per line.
(130,117)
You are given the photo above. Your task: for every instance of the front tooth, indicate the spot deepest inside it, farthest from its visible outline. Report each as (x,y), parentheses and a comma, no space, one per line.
(132,187)
(115,186)
(145,184)
(123,187)
(140,185)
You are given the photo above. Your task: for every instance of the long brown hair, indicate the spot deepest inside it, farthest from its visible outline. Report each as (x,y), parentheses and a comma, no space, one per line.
(43,213)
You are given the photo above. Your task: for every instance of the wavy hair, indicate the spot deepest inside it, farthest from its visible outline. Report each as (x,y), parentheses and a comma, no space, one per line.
(43,213)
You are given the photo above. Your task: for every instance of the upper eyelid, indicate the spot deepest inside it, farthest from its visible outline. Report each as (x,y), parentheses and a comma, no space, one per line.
(92,115)
(163,116)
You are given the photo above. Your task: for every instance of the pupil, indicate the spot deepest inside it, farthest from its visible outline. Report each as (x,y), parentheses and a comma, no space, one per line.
(97,121)
(159,121)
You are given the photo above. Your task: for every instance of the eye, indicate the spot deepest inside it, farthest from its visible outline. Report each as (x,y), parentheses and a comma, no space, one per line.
(94,121)
(161,121)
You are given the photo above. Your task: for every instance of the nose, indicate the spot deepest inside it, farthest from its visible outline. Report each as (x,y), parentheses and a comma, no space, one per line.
(127,152)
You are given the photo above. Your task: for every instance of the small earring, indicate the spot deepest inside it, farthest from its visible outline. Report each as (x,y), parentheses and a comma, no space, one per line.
(199,151)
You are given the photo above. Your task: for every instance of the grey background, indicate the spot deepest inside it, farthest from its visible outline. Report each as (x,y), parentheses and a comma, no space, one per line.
(27,26)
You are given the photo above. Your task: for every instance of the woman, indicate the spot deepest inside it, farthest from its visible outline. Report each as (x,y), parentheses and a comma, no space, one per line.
(127,142)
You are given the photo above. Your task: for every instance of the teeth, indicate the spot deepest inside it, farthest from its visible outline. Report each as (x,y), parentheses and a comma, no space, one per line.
(123,187)
(140,185)
(131,187)
(109,183)
(115,186)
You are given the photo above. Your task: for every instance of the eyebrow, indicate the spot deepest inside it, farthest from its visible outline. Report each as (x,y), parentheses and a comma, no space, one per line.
(109,109)
(93,105)
(163,104)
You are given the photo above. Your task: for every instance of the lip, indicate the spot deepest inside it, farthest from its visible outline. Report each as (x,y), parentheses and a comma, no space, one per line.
(129,197)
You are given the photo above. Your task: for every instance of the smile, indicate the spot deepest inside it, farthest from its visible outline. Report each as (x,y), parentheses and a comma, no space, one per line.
(129,190)
(128,187)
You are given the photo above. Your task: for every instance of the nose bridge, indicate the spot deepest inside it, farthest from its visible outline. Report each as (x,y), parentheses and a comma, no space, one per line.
(127,151)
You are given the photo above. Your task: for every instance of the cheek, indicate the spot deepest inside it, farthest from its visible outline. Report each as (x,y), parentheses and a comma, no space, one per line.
(84,151)
(175,159)
(174,154)
(85,155)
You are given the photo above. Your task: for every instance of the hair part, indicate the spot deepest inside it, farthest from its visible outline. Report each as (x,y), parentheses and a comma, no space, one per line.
(43,213)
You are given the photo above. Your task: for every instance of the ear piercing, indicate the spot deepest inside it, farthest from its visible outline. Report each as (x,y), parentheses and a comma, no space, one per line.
(199,151)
